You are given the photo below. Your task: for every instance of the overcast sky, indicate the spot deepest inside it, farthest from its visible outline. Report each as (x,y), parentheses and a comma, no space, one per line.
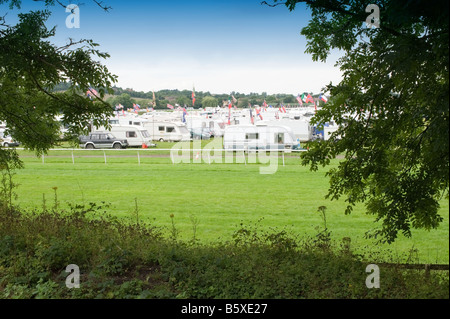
(217,46)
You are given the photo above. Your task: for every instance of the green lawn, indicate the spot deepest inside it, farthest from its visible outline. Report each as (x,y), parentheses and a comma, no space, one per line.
(219,196)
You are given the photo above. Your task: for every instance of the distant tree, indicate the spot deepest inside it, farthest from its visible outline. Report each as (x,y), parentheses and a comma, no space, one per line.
(31,68)
(123,99)
(271,99)
(209,101)
(183,100)
(392,106)
(243,102)
(289,99)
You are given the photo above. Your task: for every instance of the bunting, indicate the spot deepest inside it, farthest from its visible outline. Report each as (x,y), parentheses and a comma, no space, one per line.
(299,99)
(323,98)
(258,113)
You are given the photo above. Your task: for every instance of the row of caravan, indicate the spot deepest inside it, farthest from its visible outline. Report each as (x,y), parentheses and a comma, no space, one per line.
(137,134)
(236,137)
(281,133)
(173,130)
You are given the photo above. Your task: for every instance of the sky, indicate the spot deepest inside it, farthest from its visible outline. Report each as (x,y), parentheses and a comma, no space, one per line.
(216,46)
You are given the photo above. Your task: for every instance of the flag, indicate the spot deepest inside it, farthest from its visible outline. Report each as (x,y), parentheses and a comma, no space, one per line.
(258,113)
(234,101)
(193,96)
(251,117)
(184,115)
(170,106)
(230,105)
(323,98)
(283,109)
(303,98)
(154,99)
(299,99)
(309,99)
(265,104)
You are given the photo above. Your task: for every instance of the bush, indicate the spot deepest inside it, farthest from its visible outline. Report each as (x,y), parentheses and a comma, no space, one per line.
(132,260)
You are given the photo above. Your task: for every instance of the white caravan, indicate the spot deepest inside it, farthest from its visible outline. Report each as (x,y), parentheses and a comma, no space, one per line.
(263,137)
(301,129)
(167,131)
(127,121)
(136,136)
(216,127)
(330,129)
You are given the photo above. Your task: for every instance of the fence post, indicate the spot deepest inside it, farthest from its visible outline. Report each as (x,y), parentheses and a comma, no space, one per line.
(73,158)
(427,271)
(139,158)
(104,154)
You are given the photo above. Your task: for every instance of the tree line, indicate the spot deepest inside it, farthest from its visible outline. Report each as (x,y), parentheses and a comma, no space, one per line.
(128,97)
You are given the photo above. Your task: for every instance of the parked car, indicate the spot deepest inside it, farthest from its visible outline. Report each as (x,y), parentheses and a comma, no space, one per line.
(7,141)
(102,140)
(136,136)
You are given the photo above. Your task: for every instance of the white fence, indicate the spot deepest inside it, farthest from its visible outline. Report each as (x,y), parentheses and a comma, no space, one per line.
(208,156)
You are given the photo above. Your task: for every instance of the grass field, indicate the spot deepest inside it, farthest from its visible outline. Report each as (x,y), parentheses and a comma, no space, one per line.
(218,196)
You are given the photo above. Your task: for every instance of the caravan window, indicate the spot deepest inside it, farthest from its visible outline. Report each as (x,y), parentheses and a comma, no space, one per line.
(170,129)
(251,136)
(161,128)
(113,121)
(279,138)
(145,134)
(131,134)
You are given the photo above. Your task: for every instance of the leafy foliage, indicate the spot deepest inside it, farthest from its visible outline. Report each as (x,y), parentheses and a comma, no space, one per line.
(120,260)
(392,106)
(30,68)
